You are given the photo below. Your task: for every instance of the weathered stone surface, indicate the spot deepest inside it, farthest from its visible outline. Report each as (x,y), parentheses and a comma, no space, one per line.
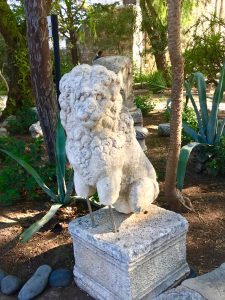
(3,100)
(145,257)
(60,278)
(210,285)
(36,284)
(141,134)
(122,67)
(10,284)
(101,143)
(3,131)
(137,117)
(179,293)
(164,129)
(35,130)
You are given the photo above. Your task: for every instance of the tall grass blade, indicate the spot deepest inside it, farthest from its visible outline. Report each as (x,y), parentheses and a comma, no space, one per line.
(29,232)
(182,163)
(33,173)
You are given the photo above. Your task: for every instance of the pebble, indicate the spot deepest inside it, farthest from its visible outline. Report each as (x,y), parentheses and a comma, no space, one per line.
(10,284)
(2,274)
(60,278)
(36,284)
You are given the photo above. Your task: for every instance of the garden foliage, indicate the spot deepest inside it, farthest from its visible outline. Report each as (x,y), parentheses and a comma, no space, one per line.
(208,36)
(63,194)
(155,81)
(15,182)
(210,129)
(24,118)
(143,102)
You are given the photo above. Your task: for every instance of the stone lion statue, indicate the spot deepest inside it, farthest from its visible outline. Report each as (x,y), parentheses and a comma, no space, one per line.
(101,144)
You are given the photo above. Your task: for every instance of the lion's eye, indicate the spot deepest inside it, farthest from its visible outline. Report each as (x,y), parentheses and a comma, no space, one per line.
(98,97)
(81,98)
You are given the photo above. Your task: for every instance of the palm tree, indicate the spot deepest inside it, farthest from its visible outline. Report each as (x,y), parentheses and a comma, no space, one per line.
(174,197)
(41,70)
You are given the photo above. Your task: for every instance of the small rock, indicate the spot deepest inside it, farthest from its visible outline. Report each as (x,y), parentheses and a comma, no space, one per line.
(2,274)
(36,284)
(7,120)
(164,129)
(35,130)
(60,278)
(3,132)
(10,284)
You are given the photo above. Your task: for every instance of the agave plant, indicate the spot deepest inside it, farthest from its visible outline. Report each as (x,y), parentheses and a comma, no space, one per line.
(210,128)
(63,196)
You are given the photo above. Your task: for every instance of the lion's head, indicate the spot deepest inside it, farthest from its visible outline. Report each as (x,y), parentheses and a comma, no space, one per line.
(91,96)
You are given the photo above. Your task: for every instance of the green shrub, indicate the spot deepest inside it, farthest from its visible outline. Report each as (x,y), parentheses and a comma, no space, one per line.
(144,104)
(155,80)
(189,117)
(15,183)
(205,51)
(24,119)
(217,162)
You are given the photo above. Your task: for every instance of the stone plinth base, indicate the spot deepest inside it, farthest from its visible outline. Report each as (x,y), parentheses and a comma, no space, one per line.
(142,260)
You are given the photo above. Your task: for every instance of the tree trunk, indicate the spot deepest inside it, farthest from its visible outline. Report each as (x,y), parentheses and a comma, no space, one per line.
(15,44)
(73,47)
(173,196)
(157,34)
(161,64)
(41,70)
(221,9)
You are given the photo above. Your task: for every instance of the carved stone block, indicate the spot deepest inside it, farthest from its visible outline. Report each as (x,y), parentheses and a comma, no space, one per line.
(142,260)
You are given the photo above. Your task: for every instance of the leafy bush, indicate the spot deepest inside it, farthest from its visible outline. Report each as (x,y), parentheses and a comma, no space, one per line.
(206,49)
(24,119)
(15,183)
(189,117)
(217,161)
(144,104)
(155,80)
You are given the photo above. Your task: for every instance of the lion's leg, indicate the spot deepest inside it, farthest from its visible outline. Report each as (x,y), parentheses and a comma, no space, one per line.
(142,193)
(109,188)
(83,190)
(122,205)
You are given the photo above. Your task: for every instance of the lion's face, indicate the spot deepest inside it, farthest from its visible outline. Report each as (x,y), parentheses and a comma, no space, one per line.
(94,105)
(91,96)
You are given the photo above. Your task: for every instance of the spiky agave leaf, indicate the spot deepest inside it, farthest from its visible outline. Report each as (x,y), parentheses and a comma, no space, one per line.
(30,231)
(182,163)
(201,86)
(213,118)
(60,155)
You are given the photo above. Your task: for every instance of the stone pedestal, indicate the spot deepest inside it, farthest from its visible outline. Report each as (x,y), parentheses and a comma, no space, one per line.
(143,259)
